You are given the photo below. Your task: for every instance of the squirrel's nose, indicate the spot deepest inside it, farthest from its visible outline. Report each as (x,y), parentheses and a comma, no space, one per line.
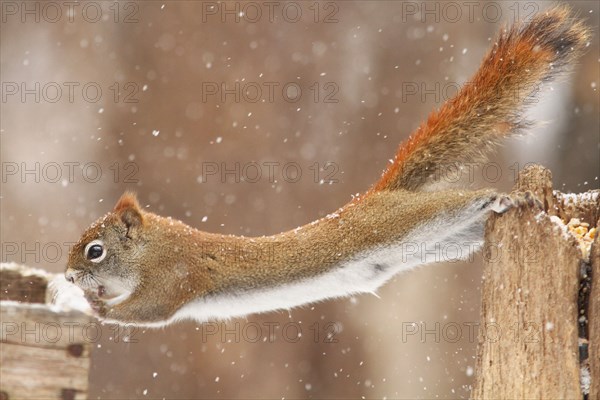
(70,275)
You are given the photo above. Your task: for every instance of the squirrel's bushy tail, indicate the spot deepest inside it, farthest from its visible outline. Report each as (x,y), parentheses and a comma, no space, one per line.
(490,106)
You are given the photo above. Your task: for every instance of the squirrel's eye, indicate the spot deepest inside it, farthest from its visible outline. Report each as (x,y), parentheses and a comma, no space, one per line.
(95,251)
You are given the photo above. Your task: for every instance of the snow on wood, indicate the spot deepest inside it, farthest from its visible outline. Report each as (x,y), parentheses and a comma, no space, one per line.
(539,329)
(45,347)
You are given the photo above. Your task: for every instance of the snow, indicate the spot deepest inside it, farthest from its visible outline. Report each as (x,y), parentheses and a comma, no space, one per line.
(66,296)
(559,223)
(26,271)
(578,197)
(585,380)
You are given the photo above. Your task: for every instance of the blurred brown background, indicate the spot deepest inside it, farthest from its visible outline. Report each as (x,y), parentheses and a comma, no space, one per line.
(155,129)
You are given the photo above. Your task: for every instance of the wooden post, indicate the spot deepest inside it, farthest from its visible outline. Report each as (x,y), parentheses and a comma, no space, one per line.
(44,350)
(539,334)
(594,322)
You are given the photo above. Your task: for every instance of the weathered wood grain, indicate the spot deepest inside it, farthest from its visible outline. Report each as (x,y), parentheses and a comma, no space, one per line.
(44,350)
(529,328)
(34,373)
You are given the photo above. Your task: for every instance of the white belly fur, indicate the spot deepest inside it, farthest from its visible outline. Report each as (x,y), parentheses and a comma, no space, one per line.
(441,240)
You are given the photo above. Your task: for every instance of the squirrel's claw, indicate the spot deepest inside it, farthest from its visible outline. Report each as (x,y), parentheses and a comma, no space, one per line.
(517,199)
(502,204)
(97,305)
(526,199)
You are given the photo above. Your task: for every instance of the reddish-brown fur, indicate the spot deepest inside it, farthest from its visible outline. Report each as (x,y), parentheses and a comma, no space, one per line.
(490,106)
(167,264)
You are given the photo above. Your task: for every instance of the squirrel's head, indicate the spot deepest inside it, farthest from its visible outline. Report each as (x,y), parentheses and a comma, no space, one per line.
(104,261)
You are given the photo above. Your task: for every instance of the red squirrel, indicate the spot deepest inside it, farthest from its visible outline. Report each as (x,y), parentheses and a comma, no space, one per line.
(137,267)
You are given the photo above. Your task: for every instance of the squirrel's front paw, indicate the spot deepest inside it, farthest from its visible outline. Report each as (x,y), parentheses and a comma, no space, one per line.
(97,304)
(519,199)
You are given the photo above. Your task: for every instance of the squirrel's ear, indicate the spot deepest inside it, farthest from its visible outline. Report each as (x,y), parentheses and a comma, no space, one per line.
(128,209)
